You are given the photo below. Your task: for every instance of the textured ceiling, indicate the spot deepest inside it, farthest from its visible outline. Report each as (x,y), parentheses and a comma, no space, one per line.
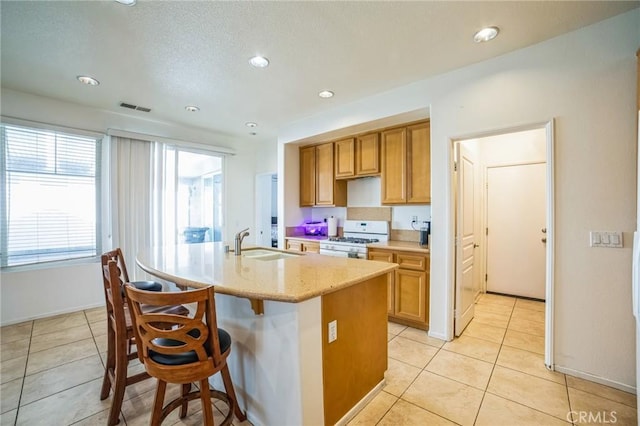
(168,54)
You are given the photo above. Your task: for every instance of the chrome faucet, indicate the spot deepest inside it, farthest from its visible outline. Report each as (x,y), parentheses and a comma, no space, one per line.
(238,240)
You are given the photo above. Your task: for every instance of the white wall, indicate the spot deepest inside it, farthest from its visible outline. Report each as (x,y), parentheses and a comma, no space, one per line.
(46,291)
(586,80)
(50,291)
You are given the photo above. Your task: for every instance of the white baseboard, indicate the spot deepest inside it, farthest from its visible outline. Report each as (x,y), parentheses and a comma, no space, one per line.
(437,335)
(361,404)
(596,379)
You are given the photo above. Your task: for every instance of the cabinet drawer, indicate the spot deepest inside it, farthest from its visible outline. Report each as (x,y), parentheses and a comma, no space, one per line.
(412,261)
(311,247)
(294,245)
(381,256)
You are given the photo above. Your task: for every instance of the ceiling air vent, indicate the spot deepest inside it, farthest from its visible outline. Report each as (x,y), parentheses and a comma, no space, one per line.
(136,107)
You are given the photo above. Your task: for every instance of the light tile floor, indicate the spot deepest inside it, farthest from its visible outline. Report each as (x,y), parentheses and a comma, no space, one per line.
(51,372)
(492,375)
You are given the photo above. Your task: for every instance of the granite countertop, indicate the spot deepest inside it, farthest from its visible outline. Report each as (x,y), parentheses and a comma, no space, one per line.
(292,279)
(400,245)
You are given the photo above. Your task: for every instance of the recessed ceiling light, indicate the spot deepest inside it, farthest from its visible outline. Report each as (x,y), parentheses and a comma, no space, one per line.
(88,80)
(127,2)
(192,108)
(251,124)
(326,94)
(259,62)
(486,34)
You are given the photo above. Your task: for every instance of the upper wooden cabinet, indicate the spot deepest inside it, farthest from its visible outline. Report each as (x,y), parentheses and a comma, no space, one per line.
(406,165)
(358,157)
(367,155)
(308,176)
(345,158)
(318,186)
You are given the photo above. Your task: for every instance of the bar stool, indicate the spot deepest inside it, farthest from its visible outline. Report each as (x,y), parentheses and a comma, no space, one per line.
(120,336)
(193,349)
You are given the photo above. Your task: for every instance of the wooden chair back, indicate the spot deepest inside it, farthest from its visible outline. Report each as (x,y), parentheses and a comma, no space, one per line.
(171,335)
(117,314)
(117,256)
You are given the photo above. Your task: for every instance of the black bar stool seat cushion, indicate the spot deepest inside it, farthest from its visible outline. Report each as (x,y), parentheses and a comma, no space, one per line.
(145,285)
(186,357)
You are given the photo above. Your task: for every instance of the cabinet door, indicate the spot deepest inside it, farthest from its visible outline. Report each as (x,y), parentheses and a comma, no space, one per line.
(393,153)
(324,177)
(386,256)
(310,247)
(345,160)
(307,176)
(419,164)
(367,153)
(294,245)
(411,295)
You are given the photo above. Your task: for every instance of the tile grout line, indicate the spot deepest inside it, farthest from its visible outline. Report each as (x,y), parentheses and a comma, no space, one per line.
(493,368)
(24,374)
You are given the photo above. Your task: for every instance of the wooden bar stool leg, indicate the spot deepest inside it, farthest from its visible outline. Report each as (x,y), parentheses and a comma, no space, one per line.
(110,363)
(186,388)
(205,396)
(120,381)
(156,416)
(228,386)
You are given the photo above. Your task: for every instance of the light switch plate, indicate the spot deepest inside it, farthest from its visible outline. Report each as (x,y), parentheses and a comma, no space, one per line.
(606,239)
(333,331)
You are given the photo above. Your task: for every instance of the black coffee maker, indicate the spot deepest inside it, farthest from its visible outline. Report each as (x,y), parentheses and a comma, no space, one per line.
(425,232)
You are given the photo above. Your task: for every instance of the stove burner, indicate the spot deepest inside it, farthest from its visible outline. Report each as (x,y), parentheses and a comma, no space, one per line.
(353,240)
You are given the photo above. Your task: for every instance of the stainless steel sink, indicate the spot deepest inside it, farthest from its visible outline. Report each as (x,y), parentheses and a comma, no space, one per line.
(266,254)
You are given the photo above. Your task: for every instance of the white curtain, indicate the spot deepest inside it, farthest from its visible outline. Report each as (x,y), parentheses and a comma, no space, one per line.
(131,185)
(163,194)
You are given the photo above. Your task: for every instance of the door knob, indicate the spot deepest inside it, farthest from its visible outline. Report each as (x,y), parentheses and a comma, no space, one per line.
(544,240)
(476,245)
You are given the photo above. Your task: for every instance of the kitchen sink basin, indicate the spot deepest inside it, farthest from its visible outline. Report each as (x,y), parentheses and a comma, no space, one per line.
(264,254)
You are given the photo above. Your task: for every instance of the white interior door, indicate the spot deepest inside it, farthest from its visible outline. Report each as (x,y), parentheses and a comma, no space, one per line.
(516,235)
(465,238)
(263,209)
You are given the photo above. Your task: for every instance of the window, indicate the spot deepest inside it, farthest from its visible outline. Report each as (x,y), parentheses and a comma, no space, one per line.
(50,186)
(191,205)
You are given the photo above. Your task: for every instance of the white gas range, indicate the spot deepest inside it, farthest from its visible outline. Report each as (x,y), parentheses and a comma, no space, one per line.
(356,235)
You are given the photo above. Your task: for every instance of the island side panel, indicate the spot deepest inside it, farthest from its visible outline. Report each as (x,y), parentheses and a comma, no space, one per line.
(272,381)
(356,361)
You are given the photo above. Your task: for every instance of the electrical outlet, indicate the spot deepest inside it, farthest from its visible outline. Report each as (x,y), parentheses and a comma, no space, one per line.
(414,219)
(333,331)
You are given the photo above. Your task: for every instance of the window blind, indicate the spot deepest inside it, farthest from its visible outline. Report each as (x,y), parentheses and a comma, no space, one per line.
(50,182)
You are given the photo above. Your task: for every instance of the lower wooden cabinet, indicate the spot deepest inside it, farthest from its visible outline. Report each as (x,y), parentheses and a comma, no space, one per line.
(302,245)
(408,287)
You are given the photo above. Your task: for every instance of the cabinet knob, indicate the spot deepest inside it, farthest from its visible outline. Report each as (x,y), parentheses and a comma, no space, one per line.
(544,240)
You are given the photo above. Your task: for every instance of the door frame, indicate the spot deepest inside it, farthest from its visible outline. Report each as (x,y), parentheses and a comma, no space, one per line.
(262,196)
(548,126)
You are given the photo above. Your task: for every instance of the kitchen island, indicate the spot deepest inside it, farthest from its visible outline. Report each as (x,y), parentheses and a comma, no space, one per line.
(277,306)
